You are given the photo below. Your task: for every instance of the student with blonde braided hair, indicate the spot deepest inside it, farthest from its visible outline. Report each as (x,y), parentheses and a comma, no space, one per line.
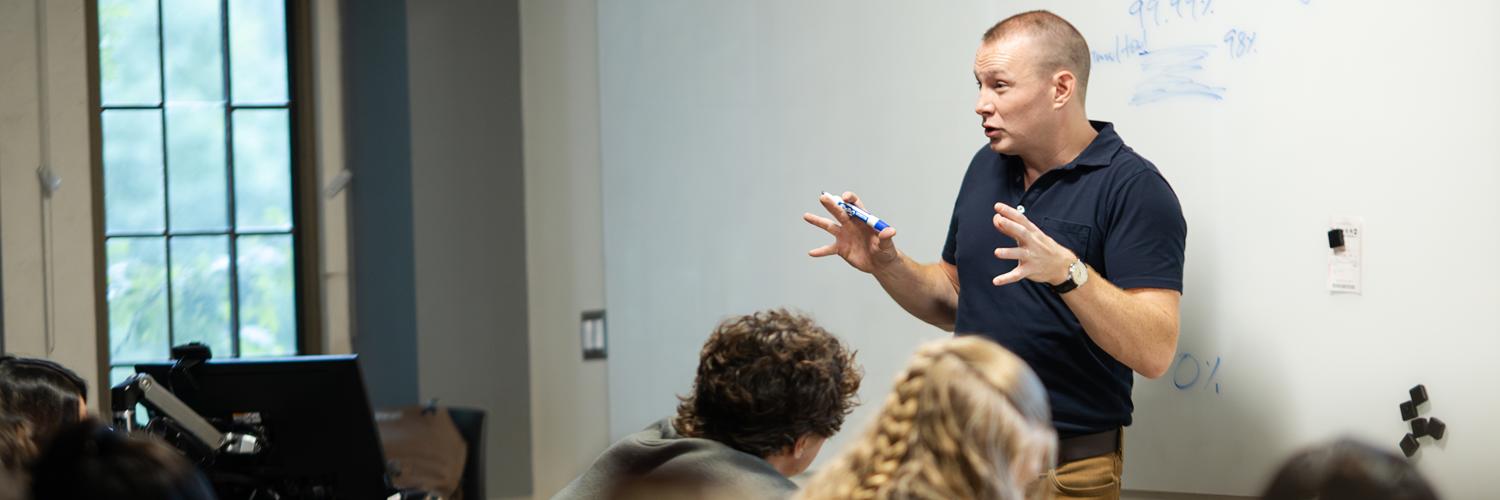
(967,420)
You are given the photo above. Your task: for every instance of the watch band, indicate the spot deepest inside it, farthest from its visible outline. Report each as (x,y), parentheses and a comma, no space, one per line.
(1070,284)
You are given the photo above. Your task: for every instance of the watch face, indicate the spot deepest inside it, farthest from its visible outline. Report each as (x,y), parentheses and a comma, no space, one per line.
(1079,271)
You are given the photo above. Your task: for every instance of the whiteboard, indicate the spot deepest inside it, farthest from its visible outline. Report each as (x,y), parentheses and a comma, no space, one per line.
(721,121)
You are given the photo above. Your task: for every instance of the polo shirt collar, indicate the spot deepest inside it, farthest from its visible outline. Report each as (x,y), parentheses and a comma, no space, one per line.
(1102,149)
(1099,153)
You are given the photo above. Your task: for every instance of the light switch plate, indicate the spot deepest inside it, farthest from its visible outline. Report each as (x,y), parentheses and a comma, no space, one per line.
(592,330)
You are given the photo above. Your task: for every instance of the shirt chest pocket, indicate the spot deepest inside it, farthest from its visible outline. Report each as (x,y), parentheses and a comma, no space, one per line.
(1074,236)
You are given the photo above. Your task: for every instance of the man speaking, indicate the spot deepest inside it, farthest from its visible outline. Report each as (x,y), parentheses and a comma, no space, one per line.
(1065,246)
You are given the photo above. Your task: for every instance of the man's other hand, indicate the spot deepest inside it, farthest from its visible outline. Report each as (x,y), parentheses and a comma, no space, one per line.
(1039,257)
(855,241)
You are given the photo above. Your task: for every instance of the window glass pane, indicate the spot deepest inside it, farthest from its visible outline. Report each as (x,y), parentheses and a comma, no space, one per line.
(200,292)
(119,374)
(268,312)
(196,171)
(133,191)
(257,51)
(192,37)
(262,170)
(137,294)
(129,62)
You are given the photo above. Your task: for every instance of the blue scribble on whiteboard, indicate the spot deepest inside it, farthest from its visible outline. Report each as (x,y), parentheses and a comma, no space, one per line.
(1171,75)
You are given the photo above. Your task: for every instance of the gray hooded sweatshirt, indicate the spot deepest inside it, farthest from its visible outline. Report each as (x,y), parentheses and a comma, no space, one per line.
(660,456)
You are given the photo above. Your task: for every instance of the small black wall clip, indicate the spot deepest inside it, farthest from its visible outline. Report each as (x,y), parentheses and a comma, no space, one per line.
(1335,238)
(1408,411)
(1409,445)
(1418,394)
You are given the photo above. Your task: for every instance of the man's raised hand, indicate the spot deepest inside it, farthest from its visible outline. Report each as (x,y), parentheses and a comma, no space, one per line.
(856,242)
(1038,257)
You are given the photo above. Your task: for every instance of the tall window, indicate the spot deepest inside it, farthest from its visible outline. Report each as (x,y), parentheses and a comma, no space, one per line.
(199,227)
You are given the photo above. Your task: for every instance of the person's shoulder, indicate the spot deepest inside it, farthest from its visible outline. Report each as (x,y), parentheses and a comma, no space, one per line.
(729,471)
(640,443)
(1125,162)
(658,433)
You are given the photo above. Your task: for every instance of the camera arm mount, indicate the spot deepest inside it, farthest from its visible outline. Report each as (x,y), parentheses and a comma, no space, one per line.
(142,388)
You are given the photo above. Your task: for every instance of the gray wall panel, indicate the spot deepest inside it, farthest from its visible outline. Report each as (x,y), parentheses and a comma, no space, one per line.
(379,142)
(470,231)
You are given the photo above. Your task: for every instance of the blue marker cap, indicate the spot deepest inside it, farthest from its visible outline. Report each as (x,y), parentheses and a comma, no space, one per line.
(858,213)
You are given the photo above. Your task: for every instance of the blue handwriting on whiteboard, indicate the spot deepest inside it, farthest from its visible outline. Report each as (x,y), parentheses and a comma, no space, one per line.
(1172,72)
(1149,12)
(1194,7)
(1139,8)
(1125,48)
(1179,374)
(1239,42)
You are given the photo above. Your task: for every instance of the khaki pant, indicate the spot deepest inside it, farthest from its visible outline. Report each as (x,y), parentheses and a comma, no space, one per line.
(1096,478)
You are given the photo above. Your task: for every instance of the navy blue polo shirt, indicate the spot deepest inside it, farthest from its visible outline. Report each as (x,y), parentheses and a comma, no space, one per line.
(1114,210)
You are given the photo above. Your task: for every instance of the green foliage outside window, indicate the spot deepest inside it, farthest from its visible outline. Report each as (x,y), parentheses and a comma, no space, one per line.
(198,205)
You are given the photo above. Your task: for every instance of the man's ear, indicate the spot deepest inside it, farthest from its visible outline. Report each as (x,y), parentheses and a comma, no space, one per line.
(800,446)
(1064,86)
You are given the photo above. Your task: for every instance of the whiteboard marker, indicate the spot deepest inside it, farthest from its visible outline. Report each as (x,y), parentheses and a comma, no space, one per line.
(858,213)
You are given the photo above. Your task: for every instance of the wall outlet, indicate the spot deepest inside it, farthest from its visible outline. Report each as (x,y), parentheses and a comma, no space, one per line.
(592,330)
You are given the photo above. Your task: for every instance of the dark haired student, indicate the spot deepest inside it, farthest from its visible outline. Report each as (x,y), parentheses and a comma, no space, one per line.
(37,398)
(43,394)
(87,460)
(771,387)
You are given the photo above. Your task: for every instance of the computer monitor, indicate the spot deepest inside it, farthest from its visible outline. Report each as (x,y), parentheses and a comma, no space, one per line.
(319,430)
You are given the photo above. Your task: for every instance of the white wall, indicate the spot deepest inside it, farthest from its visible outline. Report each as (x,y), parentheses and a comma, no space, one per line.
(564,236)
(70,252)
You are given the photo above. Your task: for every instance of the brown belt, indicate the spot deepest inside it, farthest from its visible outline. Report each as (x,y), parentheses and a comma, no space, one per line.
(1089,446)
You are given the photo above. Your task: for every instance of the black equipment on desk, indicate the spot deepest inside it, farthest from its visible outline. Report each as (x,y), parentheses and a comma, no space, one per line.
(311,431)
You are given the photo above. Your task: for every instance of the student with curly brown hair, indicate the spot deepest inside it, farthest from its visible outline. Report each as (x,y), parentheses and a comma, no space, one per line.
(967,420)
(771,387)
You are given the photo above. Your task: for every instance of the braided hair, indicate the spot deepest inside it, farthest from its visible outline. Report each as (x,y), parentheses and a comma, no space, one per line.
(967,419)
